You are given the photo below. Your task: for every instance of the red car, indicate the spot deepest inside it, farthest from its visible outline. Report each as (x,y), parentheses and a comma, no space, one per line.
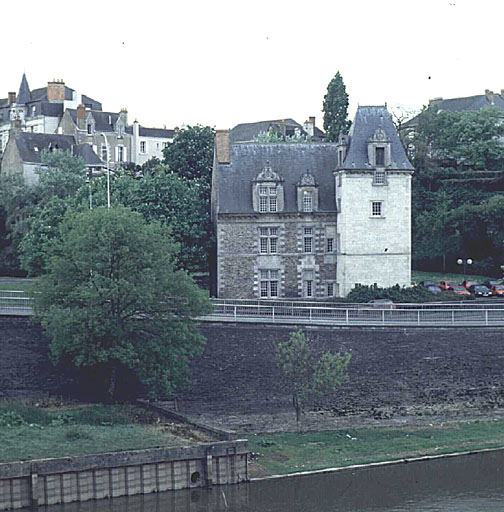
(459,290)
(447,285)
(467,283)
(497,290)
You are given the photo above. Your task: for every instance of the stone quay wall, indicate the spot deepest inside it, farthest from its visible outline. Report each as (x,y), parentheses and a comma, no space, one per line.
(88,477)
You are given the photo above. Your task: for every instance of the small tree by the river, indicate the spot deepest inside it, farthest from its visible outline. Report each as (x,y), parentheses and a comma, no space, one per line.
(308,375)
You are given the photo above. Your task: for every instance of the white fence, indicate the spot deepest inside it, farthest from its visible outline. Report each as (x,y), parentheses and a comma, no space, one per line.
(472,313)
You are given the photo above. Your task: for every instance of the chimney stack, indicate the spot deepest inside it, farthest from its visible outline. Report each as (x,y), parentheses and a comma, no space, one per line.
(490,96)
(435,101)
(56,90)
(12,97)
(81,117)
(223,146)
(309,126)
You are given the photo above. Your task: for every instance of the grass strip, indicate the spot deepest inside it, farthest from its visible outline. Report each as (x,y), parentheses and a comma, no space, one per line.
(290,452)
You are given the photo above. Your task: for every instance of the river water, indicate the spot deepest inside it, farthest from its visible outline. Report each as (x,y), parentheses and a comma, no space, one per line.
(466,483)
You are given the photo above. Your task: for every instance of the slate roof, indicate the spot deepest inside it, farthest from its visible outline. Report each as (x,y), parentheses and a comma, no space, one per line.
(24,95)
(367,121)
(31,145)
(163,133)
(289,160)
(247,132)
(105,121)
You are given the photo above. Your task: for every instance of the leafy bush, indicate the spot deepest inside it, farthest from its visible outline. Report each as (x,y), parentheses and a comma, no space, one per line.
(28,413)
(11,419)
(363,293)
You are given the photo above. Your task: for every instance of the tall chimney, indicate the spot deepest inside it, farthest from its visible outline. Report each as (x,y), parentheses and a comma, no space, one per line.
(12,97)
(223,146)
(56,90)
(81,116)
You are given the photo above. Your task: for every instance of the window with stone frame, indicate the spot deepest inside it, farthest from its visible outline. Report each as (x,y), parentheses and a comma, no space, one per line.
(104,152)
(379,156)
(89,129)
(376,208)
(307,239)
(268,240)
(307,201)
(330,289)
(268,201)
(379,177)
(330,244)
(120,154)
(269,283)
(143,146)
(308,283)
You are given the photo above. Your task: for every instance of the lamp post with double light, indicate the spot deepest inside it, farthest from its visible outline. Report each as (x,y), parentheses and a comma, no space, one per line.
(464,262)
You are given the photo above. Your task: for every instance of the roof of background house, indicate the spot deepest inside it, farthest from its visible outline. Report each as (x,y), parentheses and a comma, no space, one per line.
(248,132)
(24,95)
(290,161)
(367,121)
(31,145)
(162,133)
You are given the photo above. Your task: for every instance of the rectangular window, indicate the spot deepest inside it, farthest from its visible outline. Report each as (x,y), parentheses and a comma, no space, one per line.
(269,283)
(379,177)
(308,240)
(120,153)
(143,147)
(268,241)
(267,199)
(307,201)
(330,244)
(376,208)
(330,289)
(379,157)
(308,283)
(90,129)
(104,152)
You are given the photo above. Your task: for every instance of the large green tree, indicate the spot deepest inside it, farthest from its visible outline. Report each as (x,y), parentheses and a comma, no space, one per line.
(112,301)
(307,375)
(335,109)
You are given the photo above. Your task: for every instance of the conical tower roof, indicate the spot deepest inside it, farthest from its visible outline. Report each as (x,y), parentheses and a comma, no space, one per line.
(24,94)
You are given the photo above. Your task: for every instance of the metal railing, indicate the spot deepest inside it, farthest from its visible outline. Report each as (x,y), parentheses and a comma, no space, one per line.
(300,312)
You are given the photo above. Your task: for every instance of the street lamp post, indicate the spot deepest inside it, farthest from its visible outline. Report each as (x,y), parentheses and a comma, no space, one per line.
(88,181)
(464,262)
(108,169)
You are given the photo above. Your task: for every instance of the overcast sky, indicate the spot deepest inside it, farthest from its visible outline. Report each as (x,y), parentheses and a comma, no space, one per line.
(222,62)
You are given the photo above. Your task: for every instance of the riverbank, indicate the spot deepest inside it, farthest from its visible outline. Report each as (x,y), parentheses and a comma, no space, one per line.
(284,453)
(35,432)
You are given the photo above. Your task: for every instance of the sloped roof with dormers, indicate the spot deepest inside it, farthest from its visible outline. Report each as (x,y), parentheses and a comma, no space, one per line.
(289,161)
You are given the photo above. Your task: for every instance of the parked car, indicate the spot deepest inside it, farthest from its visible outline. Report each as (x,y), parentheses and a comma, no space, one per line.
(382,304)
(492,282)
(497,290)
(460,290)
(425,284)
(434,288)
(468,283)
(480,290)
(447,285)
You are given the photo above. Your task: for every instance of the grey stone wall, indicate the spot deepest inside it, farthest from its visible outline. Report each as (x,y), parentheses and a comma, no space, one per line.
(240,260)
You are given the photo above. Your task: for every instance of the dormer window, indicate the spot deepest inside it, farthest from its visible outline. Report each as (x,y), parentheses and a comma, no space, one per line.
(267,191)
(268,199)
(89,129)
(379,149)
(307,201)
(307,193)
(380,157)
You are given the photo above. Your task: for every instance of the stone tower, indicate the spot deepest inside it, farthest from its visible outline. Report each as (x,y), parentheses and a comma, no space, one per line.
(373,202)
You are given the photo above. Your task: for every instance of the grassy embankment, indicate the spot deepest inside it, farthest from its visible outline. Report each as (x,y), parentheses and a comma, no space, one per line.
(289,452)
(28,433)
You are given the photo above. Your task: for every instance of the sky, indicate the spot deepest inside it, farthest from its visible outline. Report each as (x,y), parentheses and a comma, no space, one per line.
(220,63)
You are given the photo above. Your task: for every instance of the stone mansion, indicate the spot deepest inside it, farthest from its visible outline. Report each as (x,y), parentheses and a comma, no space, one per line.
(311,220)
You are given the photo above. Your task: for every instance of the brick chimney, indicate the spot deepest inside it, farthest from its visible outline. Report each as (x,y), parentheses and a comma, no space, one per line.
(490,96)
(12,97)
(223,146)
(56,90)
(81,117)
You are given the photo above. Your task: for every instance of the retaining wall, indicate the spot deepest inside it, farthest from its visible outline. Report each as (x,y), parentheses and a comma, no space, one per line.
(83,478)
